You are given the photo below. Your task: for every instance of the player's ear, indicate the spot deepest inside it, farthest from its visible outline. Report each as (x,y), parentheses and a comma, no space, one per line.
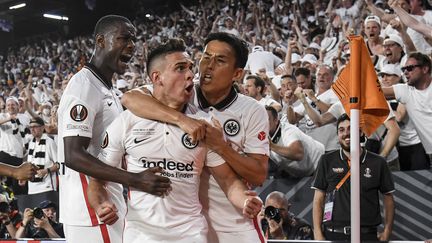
(238,74)
(100,40)
(155,77)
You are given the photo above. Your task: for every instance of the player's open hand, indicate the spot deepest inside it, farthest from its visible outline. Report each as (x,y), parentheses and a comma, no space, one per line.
(148,181)
(107,213)
(252,205)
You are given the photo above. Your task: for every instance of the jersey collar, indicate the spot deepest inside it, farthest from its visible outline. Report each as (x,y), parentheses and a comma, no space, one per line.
(92,68)
(277,134)
(343,157)
(225,103)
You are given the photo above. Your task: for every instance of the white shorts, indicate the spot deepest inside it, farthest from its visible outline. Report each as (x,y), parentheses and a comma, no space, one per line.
(137,235)
(249,236)
(95,234)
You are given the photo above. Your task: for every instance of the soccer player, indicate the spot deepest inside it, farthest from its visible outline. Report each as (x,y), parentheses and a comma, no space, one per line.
(147,143)
(244,124)
(87,107)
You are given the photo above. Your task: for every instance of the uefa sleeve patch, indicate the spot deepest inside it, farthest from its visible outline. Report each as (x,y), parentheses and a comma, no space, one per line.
(78,113)
(261,135)
(105,141)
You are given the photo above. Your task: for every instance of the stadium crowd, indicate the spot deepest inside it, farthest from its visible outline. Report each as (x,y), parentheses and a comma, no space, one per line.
(296,51)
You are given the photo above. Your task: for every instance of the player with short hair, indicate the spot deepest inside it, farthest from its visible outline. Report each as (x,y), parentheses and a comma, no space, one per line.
(245,128)
(147,143)
(88,105)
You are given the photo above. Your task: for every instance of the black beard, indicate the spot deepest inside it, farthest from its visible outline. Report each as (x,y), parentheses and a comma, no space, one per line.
(346,148)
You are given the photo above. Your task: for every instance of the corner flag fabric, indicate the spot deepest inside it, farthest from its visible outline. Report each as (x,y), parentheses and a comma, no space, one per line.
(358,87)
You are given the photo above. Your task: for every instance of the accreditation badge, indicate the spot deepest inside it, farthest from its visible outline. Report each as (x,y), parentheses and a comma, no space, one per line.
(328,206)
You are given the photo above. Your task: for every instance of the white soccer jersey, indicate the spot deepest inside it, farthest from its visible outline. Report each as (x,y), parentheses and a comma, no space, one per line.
(245,125)
(86,108)
(147,144)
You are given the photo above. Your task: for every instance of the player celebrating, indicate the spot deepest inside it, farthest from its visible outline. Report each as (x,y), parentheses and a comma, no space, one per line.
(147,143)
(245,125)
(87,107)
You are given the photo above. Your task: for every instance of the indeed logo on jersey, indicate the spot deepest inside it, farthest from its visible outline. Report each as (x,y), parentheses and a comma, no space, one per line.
(172,168)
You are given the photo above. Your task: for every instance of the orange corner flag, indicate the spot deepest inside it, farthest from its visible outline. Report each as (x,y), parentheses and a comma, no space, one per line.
(358,87)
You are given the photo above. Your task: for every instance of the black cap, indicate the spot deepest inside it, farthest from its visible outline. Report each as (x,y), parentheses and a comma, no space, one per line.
(37,121)
(47,204)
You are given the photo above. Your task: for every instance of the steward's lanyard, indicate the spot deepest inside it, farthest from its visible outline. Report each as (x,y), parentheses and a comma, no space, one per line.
(339,185)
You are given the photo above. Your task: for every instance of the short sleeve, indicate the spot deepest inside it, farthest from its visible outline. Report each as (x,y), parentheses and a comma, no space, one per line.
(401,92)
(386,182)
(52,150)
(290,134)
(79,117)
(320,181)
(257,131)
(336,110)
(213,159)
(112,147)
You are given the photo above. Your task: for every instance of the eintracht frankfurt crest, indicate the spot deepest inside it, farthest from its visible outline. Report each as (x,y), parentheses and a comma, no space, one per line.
(231,127)
(187,142)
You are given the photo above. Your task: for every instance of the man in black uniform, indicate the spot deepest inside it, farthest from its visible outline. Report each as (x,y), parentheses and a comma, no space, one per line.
(331,205)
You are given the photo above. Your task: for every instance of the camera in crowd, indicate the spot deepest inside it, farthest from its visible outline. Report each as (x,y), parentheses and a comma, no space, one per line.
(273,213)
(38,213)
(33,231)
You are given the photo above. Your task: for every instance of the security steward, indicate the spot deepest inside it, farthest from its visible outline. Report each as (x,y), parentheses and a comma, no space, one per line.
(331,204)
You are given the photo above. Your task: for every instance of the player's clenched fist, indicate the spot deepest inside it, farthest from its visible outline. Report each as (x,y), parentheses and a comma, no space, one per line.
(107,213)
(148,181)
(253,205)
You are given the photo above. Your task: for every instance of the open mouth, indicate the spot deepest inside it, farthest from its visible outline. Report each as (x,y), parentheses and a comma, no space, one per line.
(388,54)
(207,77)
(125,58)
(189,88)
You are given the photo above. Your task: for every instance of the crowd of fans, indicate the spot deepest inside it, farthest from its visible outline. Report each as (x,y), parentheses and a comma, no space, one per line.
(296,50)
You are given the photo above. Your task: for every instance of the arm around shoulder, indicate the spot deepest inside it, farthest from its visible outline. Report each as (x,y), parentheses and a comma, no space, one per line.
(141,103)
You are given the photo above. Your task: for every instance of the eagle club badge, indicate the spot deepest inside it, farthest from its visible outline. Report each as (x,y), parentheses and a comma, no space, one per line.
(78,113)
(186,141)
(231,127)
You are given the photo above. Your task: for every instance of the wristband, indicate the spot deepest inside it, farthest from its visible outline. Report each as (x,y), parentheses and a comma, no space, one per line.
(48,170)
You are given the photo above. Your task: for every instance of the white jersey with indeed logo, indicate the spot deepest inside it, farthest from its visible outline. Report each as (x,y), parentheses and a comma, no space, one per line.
(148,144)
(245,125)
(86,109)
